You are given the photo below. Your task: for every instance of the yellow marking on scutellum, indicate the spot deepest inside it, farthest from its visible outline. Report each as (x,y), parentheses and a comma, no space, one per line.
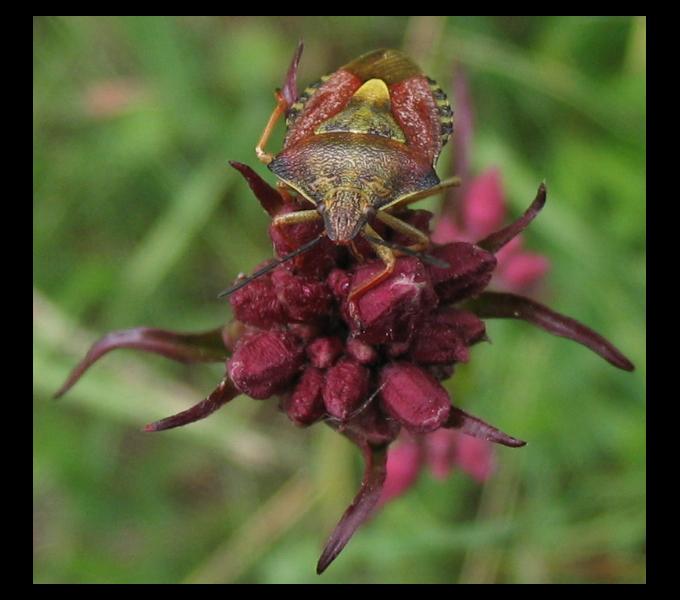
(373,91)
(368,111)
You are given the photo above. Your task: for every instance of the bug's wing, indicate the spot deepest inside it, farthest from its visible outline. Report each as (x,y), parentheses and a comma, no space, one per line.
(419,105)
(389,65)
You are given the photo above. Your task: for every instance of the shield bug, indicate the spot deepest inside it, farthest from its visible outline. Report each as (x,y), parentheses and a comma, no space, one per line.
(361,144)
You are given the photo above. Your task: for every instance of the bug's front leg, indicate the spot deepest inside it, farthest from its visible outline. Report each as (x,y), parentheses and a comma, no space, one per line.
(300,216)
(385,254)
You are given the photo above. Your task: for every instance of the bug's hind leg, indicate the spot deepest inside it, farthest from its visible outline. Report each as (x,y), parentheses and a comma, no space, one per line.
(385,254)
(279,111)
(284,99)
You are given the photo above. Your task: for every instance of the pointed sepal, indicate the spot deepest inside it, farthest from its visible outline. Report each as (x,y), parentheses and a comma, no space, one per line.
(224,392)
(475,427)
(362,506)
(289,91)
(208,346)
(492,305)
(269,197)
(494,242)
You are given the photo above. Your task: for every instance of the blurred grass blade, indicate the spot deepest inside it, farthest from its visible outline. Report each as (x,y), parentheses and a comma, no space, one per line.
(157,254)
(546,76)
(259,533)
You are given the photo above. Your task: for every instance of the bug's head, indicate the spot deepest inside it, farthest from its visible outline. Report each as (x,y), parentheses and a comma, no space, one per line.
(345,211)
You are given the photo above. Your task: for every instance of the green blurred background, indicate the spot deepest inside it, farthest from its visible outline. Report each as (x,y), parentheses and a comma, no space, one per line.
(139,220)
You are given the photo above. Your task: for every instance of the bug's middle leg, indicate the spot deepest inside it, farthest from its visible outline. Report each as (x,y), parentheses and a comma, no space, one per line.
(404,201)
(421,240)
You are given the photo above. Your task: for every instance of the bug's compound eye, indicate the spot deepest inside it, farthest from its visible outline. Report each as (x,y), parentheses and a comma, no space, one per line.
(321,208)
(369,211)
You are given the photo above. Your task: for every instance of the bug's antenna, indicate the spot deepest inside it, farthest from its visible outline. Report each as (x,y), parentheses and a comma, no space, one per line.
(427,258)
(271,266)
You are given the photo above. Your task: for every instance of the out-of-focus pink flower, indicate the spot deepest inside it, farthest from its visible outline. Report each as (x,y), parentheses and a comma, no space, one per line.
(482,210)
(478,207)
(112,97)
(484,205)
(404,462)
(474,456)
(442,451)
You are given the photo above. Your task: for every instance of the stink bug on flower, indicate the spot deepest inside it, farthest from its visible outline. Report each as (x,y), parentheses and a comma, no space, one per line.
(361,145)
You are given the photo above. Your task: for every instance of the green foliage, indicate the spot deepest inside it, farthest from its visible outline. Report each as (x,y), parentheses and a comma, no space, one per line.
(139,220)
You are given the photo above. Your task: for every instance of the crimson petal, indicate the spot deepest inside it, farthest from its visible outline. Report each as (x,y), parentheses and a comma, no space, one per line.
(183,347)
(375,458)
(510,306)
(224,392)
(472,426)
(494,242)
(269,197)
(289,90)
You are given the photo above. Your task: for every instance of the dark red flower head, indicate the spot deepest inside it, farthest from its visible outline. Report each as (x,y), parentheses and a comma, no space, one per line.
(368,365)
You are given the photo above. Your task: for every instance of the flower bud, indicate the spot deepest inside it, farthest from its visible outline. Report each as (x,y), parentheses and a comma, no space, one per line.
(256,304)
(339,281)
(371,427)
(469,271)
(413,397)
(305,332)
(361,352)
(346,388)
(304,299)
(397,349)
(444,337)
(391,310)
(265,362)
(305,405)
(324,351)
